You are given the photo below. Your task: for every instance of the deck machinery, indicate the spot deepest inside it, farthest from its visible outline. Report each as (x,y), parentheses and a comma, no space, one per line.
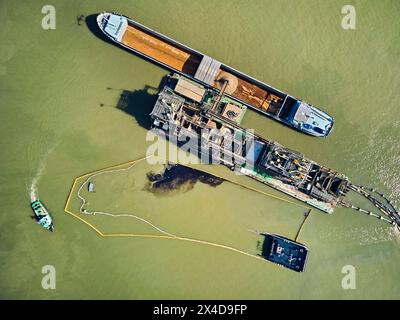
(206,122)
(213,133)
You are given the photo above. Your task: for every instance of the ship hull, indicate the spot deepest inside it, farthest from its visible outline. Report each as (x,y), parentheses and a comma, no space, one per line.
(290,191)
(42,216)
(188,62)
(206,132)
(284,252)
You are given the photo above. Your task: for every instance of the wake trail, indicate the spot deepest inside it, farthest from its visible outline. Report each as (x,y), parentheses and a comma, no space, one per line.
(33,188)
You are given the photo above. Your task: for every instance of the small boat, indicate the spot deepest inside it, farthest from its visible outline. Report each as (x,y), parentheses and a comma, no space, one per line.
(42,216)
(284,252)
(175,56)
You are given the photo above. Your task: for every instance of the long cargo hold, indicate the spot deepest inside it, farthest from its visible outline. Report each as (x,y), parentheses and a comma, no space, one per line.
(212,73)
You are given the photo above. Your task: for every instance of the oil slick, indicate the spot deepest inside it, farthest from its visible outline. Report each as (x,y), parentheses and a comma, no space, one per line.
(33,189)
(179,178)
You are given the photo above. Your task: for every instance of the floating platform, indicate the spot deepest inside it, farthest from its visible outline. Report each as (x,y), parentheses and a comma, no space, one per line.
(209,126)
(284,252)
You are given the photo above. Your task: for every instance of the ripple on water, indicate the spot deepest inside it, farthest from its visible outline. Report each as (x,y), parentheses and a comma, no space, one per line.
(361,235)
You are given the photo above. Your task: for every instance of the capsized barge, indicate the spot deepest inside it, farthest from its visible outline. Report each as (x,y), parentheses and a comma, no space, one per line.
(207,123)
(179,58)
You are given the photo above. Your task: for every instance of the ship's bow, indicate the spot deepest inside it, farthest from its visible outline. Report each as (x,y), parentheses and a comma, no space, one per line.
(113,25)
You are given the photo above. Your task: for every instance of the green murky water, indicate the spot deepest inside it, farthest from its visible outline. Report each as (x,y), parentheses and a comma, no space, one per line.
(59,92)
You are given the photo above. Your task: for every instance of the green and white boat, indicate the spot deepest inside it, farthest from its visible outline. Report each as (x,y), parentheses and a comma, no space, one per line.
(42,216)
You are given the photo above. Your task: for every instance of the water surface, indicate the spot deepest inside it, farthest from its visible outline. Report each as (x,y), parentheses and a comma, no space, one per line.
(72,103)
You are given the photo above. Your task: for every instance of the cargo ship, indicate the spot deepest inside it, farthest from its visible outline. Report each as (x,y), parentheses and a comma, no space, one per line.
(201,68)
(207,123)
(284,252)
(42,216)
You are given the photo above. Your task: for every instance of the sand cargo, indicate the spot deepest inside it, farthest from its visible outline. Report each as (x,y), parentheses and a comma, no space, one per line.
(177,57)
